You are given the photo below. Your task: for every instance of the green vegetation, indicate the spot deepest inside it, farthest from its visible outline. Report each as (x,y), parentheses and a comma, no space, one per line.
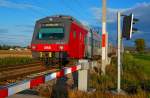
(136,72)
(140,45)
(10,61)
(135,75)
(6,47)
(141,60)
(135,80)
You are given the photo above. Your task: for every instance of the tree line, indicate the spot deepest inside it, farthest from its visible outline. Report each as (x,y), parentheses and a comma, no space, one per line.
(7,47)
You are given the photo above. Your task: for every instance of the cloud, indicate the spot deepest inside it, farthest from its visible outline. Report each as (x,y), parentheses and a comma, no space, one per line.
(86,23)
(3,31)
(98,14)
(25,26)
(16,35)
(140,10)
(15,39)
(10,4)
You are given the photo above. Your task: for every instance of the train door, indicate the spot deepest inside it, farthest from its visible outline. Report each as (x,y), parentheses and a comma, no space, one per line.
(76,42)
(73,43)
(81,44)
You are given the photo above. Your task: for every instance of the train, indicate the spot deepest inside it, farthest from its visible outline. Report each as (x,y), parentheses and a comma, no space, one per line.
(63,37)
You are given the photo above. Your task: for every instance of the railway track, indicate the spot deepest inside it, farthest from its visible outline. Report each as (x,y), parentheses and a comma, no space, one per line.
(19,66)
(18,73)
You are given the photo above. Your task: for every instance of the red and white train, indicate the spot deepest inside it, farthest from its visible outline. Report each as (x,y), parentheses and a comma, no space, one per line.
(63,37)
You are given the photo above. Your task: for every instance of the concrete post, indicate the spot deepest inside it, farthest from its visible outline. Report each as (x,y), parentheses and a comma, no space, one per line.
(83,75)
(104,55)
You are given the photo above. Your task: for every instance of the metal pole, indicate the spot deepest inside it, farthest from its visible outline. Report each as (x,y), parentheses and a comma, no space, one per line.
(104,55)
(119,59)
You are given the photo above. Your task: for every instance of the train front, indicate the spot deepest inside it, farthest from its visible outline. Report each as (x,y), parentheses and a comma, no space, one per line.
(49,41)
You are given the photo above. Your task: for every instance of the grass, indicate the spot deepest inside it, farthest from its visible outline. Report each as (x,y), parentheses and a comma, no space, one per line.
(10,58)
(97,94)
(138,62)
(144,61)
(142,56)
(14,53)
(135,79)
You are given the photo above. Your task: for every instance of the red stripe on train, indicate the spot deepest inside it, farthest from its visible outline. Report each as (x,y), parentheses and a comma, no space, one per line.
(49,47)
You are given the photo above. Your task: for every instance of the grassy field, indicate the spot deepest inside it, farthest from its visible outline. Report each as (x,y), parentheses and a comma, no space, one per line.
(14,57)
(144,61)
(13,61)
(15,53)
(137,62)
(135,80)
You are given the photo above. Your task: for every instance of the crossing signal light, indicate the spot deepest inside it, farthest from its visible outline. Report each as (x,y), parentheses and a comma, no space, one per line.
(128,29)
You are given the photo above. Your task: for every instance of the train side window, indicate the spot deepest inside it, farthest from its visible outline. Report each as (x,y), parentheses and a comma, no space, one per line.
(74,34)
(85,40)
(90,41)
(40,36)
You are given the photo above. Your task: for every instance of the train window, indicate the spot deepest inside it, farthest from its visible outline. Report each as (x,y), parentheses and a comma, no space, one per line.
(85,40)
(40,35)
(90,40)
(51,33)
(74,34)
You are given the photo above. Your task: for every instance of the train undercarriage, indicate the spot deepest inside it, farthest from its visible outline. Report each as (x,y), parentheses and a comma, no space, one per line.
(54,59)
(58,59)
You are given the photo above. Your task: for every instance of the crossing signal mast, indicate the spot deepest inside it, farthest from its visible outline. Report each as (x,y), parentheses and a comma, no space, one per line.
(127,30)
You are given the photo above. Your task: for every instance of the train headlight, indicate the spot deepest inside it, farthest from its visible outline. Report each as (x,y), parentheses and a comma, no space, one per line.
(41,54)
(33,47)
(50,54)
(61,47)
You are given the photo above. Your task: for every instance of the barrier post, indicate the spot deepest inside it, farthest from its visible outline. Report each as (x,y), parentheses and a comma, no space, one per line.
(83,75)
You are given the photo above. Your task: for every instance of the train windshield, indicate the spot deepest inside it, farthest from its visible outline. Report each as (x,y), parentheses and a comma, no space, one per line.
(51,33)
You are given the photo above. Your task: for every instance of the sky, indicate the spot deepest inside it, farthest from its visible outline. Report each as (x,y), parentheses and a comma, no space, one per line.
(18,17)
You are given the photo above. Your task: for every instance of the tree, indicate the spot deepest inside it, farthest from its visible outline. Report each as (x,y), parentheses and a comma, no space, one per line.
(140,44)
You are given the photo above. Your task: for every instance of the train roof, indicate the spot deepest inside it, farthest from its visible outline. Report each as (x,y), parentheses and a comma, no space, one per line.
(65,17)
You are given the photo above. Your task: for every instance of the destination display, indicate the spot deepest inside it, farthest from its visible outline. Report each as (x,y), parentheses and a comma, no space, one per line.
(52,25)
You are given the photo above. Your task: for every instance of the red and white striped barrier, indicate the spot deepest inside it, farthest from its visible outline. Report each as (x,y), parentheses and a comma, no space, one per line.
(29,84)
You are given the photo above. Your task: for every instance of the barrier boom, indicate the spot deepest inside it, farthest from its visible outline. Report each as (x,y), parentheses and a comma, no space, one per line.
(31,83)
